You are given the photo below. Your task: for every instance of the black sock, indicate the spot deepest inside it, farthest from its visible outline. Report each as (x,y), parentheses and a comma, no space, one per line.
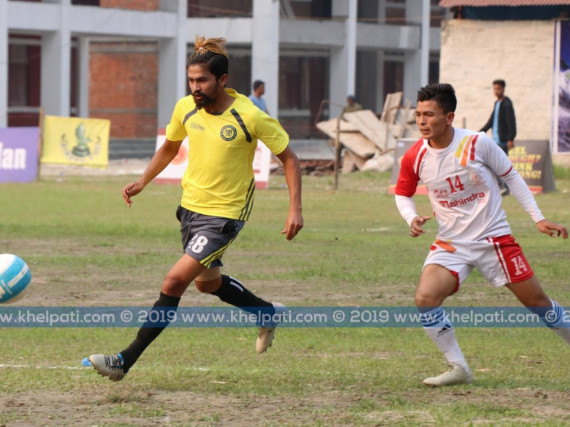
(157,319)
(234,293)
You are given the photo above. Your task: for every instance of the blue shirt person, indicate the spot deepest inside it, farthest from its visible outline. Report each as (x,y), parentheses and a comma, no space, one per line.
(256,96)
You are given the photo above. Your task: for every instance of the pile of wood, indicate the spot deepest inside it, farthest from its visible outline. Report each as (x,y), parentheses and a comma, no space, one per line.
(308,167)
(366,141)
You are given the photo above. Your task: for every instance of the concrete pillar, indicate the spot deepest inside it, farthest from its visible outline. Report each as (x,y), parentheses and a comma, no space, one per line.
(338,74)
(265,50)
(84,77)
(3,63)
(424,75)
(172,72)
(351,46)
(416,63)
(56,66)
(381,7)
(380,96)
(343,60)
(412,75)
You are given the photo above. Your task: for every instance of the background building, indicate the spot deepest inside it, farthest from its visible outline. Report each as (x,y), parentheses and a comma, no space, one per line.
(124,60)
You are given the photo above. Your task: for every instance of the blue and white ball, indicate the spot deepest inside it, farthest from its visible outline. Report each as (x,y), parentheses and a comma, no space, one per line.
(15,276)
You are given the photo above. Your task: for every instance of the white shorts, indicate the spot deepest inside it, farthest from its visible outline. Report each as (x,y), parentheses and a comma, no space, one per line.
(500,260)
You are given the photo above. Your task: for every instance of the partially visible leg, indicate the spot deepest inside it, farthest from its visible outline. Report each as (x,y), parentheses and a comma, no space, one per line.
(213,237)
(532,296)
(177,280)
(437,283)
(174,285)
(233,292)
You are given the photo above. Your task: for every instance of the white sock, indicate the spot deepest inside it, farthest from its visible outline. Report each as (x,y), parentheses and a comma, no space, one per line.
(439,328)
(555,320)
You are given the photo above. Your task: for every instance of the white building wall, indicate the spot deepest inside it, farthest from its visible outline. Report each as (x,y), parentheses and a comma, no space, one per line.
(474,53)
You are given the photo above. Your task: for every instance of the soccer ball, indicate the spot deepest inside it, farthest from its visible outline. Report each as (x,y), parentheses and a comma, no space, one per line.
(15,276)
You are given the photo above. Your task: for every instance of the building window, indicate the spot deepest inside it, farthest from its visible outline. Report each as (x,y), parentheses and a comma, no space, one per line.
(306,8)
(18,74)
(85,2)
(395,13)
(24,80)
(24,65)
(393,76)
(240,77)
(219,8)
(303,85)
(367,79)
(437,14)
(433,70)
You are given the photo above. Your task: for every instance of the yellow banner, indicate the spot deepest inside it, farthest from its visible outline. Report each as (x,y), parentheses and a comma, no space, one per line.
(76,141)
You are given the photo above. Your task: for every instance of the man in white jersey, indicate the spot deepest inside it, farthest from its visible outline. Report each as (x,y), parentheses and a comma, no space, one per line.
(459,168)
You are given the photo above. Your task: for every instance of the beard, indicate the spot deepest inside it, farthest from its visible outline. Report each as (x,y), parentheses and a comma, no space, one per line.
(204,101)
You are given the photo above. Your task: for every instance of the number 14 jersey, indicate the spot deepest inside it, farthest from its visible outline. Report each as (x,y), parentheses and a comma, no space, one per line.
(461,183)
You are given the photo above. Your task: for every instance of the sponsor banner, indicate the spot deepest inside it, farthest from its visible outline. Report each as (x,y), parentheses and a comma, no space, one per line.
(19,154)
(533,162)
(531,159)
(174,172)
(261,164)
(76,141)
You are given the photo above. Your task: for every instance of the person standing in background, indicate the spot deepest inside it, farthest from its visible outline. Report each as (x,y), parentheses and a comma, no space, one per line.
(503,123)
(256,96)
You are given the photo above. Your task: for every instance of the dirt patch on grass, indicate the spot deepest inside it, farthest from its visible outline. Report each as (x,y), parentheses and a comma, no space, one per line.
(127,406)
(119,403)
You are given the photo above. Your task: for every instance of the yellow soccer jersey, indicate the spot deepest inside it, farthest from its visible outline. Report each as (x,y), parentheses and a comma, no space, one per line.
(219,180)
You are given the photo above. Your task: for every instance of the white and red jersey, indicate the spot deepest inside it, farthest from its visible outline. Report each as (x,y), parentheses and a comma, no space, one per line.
(462,186)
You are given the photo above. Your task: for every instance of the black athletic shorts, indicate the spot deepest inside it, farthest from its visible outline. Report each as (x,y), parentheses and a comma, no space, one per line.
(206,238)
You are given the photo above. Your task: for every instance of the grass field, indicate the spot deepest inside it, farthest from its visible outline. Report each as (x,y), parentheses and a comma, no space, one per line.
(85,248)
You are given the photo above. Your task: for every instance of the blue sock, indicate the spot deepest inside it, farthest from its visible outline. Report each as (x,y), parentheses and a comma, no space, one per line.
(555,318)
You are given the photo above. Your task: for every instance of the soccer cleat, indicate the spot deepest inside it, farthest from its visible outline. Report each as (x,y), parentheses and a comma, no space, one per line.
(456,375)
(267,332)
(109,365)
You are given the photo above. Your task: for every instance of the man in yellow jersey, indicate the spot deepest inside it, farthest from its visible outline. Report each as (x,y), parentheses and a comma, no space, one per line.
(223,128)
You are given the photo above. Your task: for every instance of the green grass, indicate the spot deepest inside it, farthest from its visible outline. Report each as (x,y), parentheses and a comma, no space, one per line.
(85,248)
(561,172)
